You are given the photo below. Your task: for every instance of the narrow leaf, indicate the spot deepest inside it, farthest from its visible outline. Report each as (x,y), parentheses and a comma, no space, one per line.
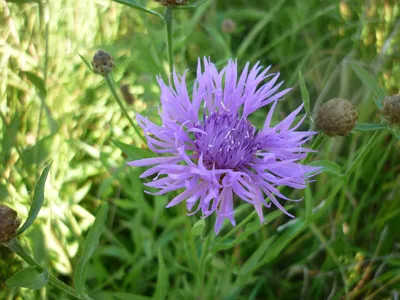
(304,93)
(369,127)
(89,247)
(328,166)
(37,202)
(162,279)
(37,82)
(133,152)
(134,4)
(86,62)
(198,227)
(29,278)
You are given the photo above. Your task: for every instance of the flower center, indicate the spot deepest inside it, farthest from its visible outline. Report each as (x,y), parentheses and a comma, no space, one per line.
(227,141)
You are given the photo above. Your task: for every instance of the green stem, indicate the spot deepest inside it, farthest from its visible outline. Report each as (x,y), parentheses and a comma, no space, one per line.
(110,83)
(15,246)
(315,145)
(202,264)
(168,26)
(363,153)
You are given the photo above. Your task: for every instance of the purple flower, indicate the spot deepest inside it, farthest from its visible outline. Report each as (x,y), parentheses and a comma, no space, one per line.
(215,155)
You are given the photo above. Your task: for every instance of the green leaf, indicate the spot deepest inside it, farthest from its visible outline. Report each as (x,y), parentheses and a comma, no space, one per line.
(162,279)
(198,227)
(86,63)
(37,82)
(134,4)
(371,83)
(89,247)
(133,152)
(37,202)
(328,166)
(29,278)
(304,93)
(369,127)
(208,226)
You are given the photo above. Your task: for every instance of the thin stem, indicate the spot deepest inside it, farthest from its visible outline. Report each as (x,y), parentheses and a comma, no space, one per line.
(202,265)
(168,26)
(315,145)
(110,83)
(15,246)
(363,153)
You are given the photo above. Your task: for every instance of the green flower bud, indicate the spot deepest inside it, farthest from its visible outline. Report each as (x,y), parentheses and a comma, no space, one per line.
(102,62)
(9,223)
(391,109)
(336,117)
(228,26)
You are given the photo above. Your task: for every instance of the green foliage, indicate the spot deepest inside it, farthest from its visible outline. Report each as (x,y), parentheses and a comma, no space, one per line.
(37,201)
(323,50)
(29,278)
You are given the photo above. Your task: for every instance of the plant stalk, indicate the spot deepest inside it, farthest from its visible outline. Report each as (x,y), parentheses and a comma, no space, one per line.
(110,83)
(168,15)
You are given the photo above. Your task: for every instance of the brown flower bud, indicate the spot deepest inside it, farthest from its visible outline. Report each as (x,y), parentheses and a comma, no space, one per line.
(391,109)
(9,223)
(228,26)
(102,62)
(336,117)
(172,2)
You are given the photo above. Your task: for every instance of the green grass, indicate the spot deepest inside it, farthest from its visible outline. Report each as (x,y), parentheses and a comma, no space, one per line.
(345,239)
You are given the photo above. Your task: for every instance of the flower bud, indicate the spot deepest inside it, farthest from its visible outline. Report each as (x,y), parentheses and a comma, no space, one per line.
(336,117)
(228,26)
(172,2)
(9,223)
(102,62)
(391,109)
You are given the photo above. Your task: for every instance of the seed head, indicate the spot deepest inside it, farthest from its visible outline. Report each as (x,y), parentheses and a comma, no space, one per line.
(228,26)
(336,117)
(172,2)
(9,223)
(391,109)
(102,62)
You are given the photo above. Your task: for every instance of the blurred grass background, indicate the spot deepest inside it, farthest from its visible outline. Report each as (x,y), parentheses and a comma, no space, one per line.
(54,109)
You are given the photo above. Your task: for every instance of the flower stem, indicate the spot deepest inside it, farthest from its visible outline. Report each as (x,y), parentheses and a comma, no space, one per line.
(202,266)
(110,83)
(15,246)
(364,152)
(168,14)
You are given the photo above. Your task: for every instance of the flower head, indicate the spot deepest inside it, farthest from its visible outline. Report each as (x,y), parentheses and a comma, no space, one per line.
(391,109)
(215,154)
(337,117)
(9,223)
